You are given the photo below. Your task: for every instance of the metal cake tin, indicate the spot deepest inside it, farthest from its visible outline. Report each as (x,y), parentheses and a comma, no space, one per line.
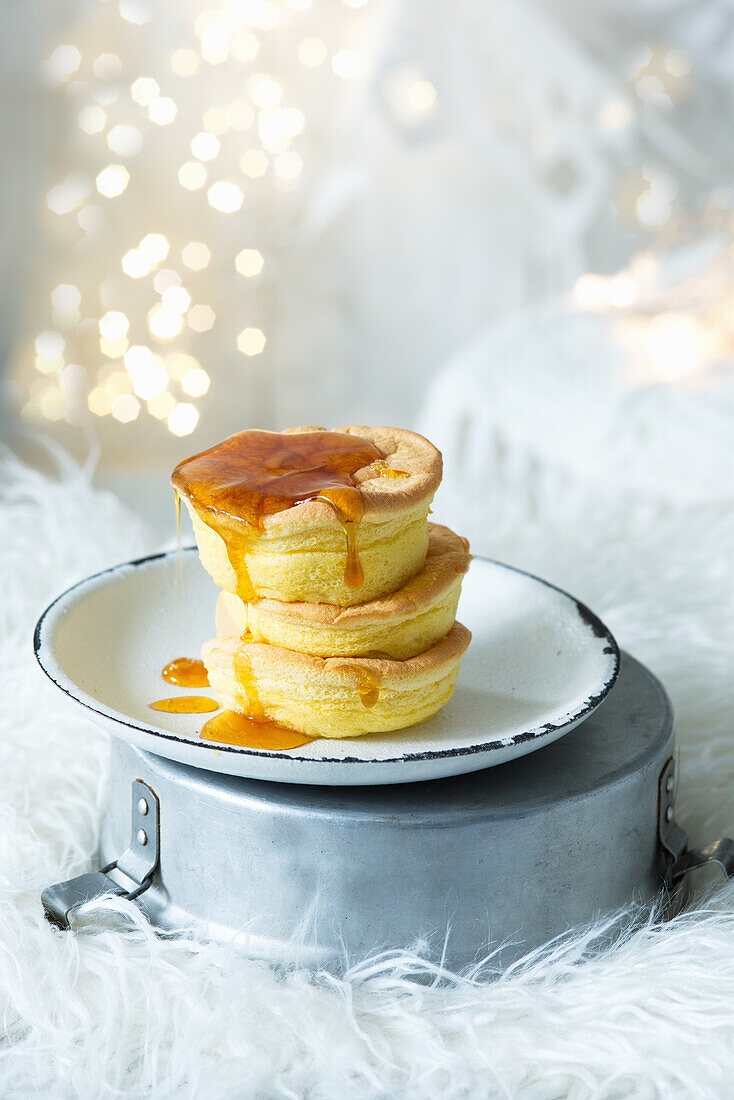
(500,860)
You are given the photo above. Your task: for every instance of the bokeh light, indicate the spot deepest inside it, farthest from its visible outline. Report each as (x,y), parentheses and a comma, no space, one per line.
(251,341)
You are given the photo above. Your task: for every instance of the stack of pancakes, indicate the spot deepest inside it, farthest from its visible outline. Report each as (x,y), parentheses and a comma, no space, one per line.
(299,643)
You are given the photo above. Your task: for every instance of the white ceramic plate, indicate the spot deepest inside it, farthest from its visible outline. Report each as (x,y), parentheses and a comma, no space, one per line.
(539,663)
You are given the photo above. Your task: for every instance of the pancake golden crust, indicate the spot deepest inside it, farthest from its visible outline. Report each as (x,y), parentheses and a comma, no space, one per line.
(447,557)
(399,625)
(383,489)
(323,697)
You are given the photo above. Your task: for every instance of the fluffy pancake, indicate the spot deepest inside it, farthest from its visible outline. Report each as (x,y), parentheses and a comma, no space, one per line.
(400,625)
(333,697)
(299,553)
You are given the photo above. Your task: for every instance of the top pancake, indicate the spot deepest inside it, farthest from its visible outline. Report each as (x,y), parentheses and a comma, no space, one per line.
(406,476)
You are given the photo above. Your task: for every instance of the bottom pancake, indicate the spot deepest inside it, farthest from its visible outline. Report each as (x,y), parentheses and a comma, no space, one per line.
(333,697)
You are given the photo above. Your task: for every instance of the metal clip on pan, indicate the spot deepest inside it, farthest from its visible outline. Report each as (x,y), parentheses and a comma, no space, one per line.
(137,864)
(680,859)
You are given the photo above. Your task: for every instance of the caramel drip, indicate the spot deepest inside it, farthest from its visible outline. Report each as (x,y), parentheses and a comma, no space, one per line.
(383,470)
(255,474)
(237,546)
(369,685)
(353,572)
(245,678)
(186,672)
(231,728)
(185,704)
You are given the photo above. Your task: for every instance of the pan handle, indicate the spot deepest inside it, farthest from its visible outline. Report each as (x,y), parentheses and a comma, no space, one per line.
(137,864)
(679,858)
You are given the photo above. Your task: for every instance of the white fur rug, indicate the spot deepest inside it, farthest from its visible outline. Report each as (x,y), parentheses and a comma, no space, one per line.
(116,1011)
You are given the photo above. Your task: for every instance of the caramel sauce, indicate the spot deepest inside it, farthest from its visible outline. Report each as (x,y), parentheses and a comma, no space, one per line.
(353,571)
(387,471)
(185,704)
(243,673)
(370,683)
(236,484)
(231,728)
(186,672)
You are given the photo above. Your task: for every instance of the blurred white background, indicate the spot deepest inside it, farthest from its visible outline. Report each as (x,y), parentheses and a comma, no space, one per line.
(279,212)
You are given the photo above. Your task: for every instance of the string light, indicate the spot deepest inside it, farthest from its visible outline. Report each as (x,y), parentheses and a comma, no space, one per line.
(107,66)
(176,298)
(184,62)
(114,325)
(144,90)
(251,341)
(225,196)
(112,180)
(165,279)
(113,349)
(134,11)
(125,140)
(163,323)
(265,91)
(150,380)
(162,111)
(50,345)
(205,146)
(92,119)
(192,176)
(99,401)
(195,382)
(125,407)
(67,196)
(135,264)
(254,163)
(201,318)
(66,298)
(155,247)
(182,419)
(63,62)
(134,380)
(249,262)
(196,255)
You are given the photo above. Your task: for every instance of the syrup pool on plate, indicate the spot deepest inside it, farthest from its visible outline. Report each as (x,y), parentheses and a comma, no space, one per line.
(187,672)
(232,728)
(185,704)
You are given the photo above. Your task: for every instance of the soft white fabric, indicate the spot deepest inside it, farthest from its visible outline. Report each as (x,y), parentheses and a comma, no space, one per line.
(113,1010)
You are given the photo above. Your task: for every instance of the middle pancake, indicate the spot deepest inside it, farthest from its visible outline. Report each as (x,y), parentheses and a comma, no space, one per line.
(399,626)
